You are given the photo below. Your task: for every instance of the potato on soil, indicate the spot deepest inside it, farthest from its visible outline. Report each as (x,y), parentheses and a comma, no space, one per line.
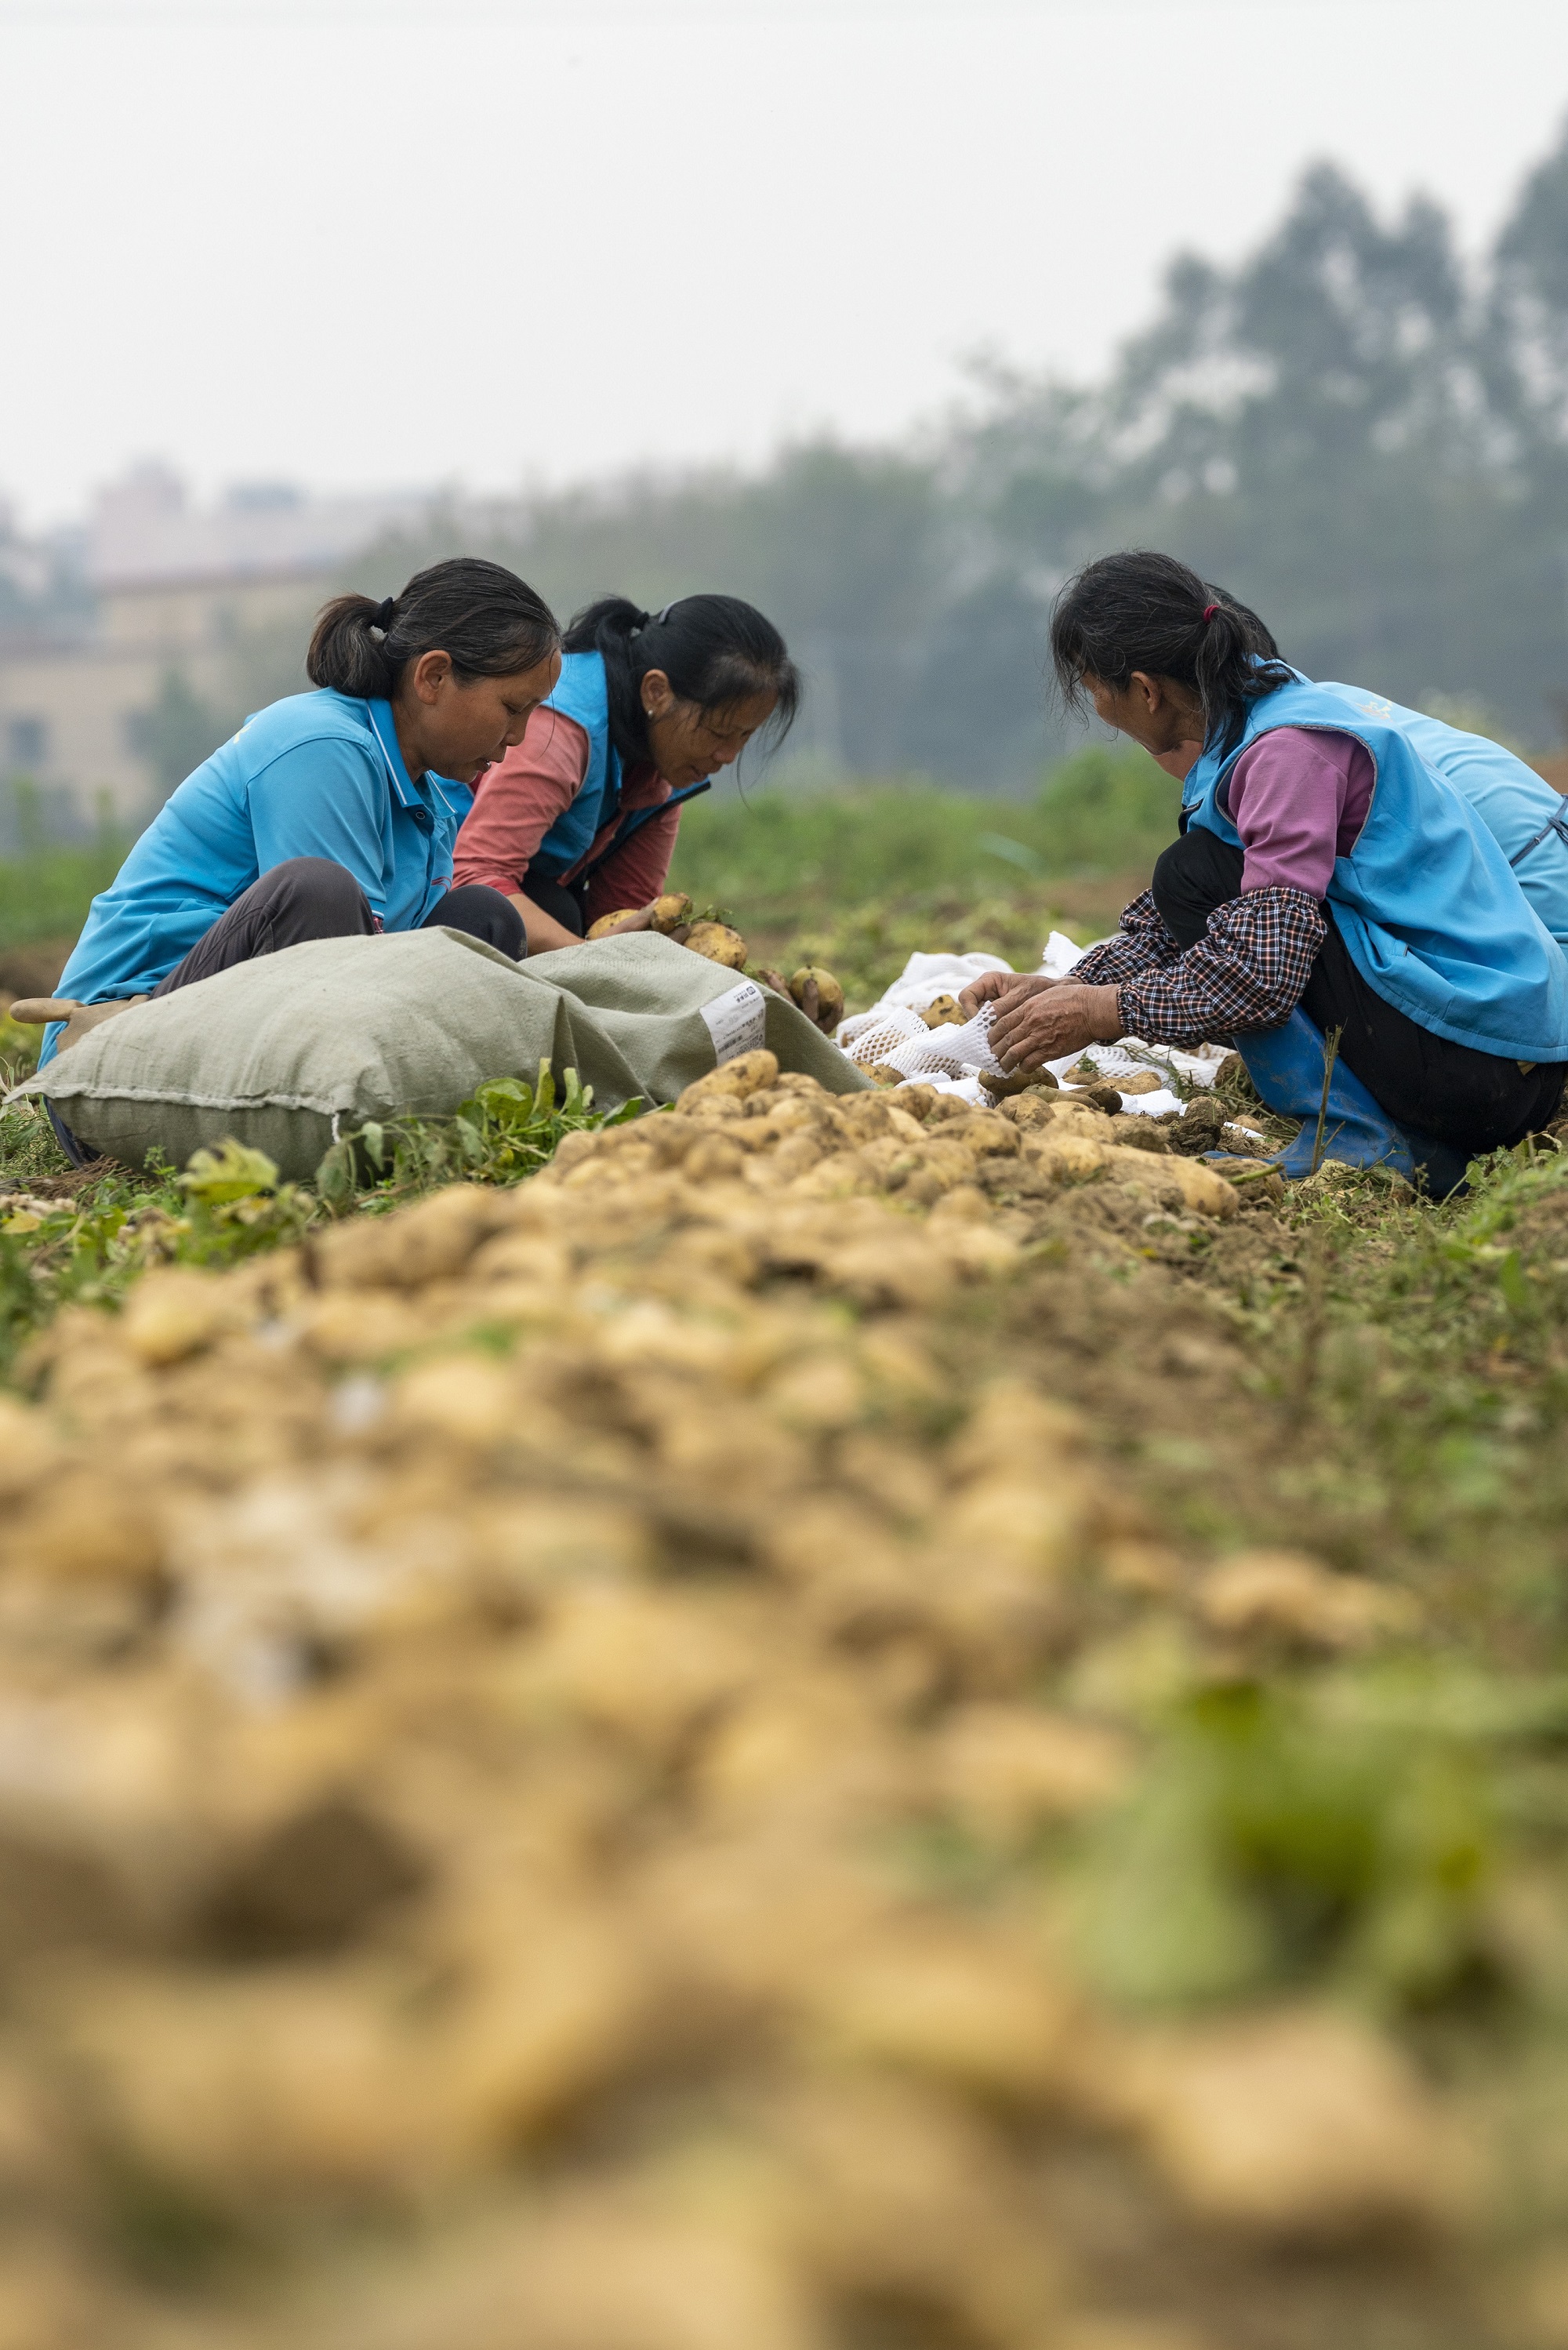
(546,1744)
(1282,1595)
(747,1073)
(719,943)
(1301,2126)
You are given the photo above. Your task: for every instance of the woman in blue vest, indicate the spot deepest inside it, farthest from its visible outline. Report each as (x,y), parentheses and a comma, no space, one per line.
(579,819)
(1523,813)
(1328,878)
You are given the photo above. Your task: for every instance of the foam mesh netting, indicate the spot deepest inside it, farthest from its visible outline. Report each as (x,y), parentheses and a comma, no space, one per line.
(892,1036)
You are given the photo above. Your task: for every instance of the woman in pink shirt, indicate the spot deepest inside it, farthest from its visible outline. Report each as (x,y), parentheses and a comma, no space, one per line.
(579,819)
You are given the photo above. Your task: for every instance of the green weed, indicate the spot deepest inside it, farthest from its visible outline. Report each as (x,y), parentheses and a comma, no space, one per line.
(508,1131)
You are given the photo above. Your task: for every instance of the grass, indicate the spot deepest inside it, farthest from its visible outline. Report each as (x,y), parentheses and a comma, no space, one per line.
(1372,1378)
(46,895)
(70,1238)
(859,879)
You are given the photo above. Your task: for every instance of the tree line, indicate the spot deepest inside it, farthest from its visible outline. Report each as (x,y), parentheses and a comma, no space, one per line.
(1359,434)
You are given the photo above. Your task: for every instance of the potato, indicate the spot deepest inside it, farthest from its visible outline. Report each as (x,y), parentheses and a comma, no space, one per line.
(826,1005)
(1300,2126)
(720,943)
(608,922)
(1287,1596)
(671,912)
(747,1073)
(1018,1082)
(944,1011)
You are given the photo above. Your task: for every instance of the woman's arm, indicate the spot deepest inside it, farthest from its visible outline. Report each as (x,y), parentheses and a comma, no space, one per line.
(543,930)
(516,802)
(1298,798)
(637,874)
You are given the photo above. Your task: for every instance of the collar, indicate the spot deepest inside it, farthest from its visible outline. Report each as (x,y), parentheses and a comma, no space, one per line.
(404,790)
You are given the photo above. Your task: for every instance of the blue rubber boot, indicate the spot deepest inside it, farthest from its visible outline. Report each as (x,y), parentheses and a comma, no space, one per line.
(1286,1065)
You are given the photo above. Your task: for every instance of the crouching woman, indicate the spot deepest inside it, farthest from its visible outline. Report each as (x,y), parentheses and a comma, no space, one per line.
(1328,879)
(580,821)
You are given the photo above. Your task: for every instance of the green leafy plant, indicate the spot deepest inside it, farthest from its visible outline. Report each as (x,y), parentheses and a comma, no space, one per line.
(1284,1834)
(507,1131)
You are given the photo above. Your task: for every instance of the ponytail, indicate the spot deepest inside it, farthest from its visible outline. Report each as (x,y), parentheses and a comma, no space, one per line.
(488,621)
(715,650)
(1149,612)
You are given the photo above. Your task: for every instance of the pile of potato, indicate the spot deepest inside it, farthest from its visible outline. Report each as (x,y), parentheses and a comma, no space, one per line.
(747,1125)
(480,1695)
(816,991)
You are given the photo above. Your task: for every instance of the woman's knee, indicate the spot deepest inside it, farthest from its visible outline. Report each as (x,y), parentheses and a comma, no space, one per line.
(317,890)
(482,913)
(1198,873)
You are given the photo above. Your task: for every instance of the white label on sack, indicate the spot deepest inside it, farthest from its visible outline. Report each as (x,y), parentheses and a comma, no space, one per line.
(737,1021)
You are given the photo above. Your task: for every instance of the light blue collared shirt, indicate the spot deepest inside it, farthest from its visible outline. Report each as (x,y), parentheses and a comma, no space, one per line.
(317,775)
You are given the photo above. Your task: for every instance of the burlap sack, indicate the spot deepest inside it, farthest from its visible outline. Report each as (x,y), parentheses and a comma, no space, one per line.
(285,1051)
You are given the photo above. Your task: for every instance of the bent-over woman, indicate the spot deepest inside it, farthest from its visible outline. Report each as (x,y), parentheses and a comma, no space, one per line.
(1327,877)
(579,819)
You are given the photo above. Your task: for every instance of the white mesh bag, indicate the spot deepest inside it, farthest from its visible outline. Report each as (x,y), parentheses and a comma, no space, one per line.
(891,1036)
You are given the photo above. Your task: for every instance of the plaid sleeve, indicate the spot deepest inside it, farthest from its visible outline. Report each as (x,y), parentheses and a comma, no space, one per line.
(1143,943)
(1250,970)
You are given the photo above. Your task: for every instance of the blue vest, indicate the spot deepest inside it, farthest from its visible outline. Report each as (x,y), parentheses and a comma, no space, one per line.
(1524,816)
(582,693)
(1434,919)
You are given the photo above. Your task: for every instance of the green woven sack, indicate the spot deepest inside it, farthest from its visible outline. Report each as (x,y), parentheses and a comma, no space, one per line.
(285,1051)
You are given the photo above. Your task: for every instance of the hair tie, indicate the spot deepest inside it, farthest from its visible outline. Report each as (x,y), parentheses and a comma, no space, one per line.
(386,615)
(1209,612)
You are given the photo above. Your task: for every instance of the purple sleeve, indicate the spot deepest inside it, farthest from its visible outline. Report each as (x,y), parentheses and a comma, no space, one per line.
(1298,797)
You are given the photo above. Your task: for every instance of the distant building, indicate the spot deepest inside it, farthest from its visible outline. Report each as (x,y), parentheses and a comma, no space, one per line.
(174,591)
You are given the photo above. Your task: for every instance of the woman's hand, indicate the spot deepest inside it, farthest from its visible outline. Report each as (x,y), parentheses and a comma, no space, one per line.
(992,985)
(641,920)
(1039,1019)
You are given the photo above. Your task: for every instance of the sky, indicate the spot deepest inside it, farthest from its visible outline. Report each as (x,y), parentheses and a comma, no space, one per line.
(503,244)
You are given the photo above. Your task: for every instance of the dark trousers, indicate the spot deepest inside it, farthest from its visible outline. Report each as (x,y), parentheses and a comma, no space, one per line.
(311,898)
(559,900)
(1474,1101)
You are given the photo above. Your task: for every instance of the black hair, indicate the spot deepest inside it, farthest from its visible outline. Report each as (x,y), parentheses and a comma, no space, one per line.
(489,621)
(714,650)
(1149,612)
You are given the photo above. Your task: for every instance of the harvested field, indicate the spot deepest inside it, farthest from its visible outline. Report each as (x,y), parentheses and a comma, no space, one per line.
(847,1725)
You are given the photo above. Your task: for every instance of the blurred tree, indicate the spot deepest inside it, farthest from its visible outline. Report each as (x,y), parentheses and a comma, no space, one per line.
(176,734)
(1364,440)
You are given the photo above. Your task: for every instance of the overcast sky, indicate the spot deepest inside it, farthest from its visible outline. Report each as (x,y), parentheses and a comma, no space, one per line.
(494,242)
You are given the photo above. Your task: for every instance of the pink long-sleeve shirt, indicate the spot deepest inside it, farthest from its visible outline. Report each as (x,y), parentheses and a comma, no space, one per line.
(1298,798)
(516,801)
